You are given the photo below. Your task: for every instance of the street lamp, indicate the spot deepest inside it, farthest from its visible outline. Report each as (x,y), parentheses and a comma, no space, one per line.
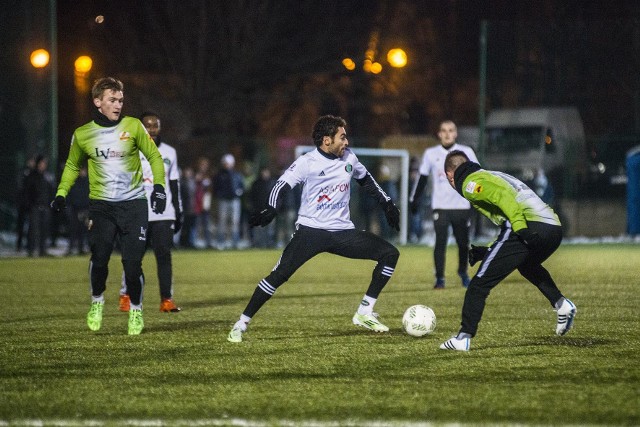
(39,58)
(397,58)
(349,64)
(82,66)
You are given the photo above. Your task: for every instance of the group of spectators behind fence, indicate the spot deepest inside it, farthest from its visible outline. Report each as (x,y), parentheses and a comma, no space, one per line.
(217,202)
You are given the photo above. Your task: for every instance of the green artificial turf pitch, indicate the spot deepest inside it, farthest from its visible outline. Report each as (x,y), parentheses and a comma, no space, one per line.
(302,360)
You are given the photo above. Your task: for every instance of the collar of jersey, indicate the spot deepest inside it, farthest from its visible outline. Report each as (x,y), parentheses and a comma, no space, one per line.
(327,155)
(462,172)
(103,121)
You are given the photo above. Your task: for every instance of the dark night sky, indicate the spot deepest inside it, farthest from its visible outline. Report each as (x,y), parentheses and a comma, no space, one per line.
(285,49)
(328,34)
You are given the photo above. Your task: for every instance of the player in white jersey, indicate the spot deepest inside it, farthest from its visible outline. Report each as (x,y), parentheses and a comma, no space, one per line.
(162,226)
(324,224)
(111,144)
(449,208)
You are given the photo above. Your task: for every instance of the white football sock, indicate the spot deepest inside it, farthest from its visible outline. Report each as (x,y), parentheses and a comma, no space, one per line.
(366,305)
(243,322)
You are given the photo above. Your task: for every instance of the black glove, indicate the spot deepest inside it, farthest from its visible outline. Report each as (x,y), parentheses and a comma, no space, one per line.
(414,206)
(529,238)
(263,217)
(158,199)
(477,253)
(58,204)
(177,224)
(392,213)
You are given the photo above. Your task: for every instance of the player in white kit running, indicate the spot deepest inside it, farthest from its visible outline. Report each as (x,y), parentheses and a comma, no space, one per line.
(324,223)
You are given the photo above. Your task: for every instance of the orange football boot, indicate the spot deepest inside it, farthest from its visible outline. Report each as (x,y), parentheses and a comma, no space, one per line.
(124,302)
(168,306)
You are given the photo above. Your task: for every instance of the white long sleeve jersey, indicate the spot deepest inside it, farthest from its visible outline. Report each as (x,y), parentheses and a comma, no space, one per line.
(443,196)
(171,172)
(326,188)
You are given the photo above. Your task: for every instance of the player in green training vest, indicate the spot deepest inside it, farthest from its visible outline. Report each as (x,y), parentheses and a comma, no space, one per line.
(530,232)
(111,144)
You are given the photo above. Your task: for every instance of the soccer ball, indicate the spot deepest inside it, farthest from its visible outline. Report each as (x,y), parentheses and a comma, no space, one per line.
(419,320)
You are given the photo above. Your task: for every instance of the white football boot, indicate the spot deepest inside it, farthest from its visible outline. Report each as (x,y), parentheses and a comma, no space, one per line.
(454,343)
(566,313)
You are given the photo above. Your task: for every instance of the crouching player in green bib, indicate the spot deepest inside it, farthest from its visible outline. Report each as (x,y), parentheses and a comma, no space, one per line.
(530,231)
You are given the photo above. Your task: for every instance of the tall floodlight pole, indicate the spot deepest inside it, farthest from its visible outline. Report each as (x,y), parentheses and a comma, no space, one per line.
(53,25)
(482,91)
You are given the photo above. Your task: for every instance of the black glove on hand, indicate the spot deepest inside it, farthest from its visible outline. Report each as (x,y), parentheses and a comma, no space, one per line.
(177,224)
(529,238)
(414,205)
(158,199)
(392,213)
(263,217)
(477,253)
(58,204)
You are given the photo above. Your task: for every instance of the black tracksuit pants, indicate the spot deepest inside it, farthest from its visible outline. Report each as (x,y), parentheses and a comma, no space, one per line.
(308,242)
(505,255)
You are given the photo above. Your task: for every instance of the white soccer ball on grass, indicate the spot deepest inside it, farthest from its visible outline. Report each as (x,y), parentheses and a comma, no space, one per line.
(419,320)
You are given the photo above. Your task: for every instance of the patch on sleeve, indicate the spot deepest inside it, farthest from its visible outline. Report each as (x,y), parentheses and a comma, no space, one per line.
(472,187)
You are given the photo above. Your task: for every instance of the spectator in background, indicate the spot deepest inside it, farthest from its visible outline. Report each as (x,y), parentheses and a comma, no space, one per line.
(78,213)
(23,203)
(416,230)
(390,187)
(187,192)
(228,188)
(287,214)
(249,175)
(202,202)
(39,190)
(263,237)
(543,188)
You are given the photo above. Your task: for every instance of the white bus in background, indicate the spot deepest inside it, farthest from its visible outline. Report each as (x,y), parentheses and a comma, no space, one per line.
(524,141)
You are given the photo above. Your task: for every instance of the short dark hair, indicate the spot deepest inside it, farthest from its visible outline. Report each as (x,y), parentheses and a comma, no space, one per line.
(454,159)
(326,126)
(148,114)
(105,83)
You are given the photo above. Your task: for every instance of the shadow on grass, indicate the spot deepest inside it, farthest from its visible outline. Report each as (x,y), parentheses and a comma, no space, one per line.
(245,299)
(551,341)
(184,325)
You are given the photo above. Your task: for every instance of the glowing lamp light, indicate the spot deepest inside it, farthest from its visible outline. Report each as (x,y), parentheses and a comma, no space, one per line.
(83,64)
(376,68)
(39,58)
(397,58)
(349,64)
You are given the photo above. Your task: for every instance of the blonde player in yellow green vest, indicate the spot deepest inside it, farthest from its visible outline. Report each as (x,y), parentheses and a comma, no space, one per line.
(111,144)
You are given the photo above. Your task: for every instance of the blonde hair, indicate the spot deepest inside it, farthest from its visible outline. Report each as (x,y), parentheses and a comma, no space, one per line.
(105,83)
